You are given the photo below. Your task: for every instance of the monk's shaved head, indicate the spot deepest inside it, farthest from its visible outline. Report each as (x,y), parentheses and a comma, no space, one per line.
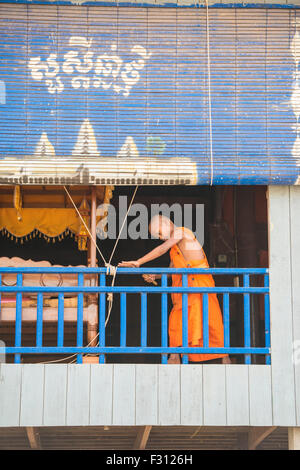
(161,227)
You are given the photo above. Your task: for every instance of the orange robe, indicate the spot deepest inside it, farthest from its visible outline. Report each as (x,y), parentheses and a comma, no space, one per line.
(195,327)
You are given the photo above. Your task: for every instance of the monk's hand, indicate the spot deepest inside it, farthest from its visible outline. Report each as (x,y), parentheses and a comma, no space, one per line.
(129,264)
(150,278)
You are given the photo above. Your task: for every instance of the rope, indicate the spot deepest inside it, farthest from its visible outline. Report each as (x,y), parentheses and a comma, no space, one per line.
(118,238)
(209,95)
(88,230)
(110,269)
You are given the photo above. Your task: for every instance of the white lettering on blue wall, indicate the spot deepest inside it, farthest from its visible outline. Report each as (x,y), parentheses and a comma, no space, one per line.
(86,69)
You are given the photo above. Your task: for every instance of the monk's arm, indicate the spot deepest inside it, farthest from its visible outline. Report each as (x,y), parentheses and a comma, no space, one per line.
(158,251)
(152,277)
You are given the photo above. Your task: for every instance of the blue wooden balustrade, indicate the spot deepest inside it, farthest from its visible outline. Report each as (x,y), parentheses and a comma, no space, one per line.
(104,287)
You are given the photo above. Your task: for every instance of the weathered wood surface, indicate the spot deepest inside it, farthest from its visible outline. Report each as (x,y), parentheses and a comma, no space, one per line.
(134,394)
(281,303)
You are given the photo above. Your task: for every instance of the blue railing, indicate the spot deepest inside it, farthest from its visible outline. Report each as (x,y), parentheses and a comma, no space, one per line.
(104,287)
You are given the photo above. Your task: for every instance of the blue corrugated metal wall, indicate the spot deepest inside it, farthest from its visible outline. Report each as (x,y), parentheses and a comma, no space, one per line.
(133,82)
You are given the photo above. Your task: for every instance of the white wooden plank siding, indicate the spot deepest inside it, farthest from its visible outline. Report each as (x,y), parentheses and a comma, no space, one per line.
(146,394)
(55,395)
(214,395)
(32,397)
(191,394)
(120,394)
(10,394)
(169,394)
(237,394)
(260,396)
(101,394)
(124,395)
(295,257)
(283,384)
(78,394)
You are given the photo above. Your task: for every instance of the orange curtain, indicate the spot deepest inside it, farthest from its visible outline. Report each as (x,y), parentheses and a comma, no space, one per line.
(51,222)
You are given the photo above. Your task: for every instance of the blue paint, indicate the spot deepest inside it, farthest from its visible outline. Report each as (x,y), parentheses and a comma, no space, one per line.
(205,321)
(164,316)
(165,113)
(134,271)
(247,338)
(2,92)
(185,319)
(143,320)
(102,313)
(226,320)
(164,290)
(123,320)
(39,320)
(79,341)
(136,289)
(133,350)
(60,320)
(18,324)
(166,4)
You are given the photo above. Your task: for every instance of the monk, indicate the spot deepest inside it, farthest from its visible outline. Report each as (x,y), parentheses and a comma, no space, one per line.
(185,252)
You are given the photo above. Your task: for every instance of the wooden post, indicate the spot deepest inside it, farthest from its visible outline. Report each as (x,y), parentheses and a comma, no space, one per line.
(92,326)
(93,257)
(33,438)
(294,438)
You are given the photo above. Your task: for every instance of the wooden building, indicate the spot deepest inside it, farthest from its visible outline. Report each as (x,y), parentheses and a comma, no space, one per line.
(189,103)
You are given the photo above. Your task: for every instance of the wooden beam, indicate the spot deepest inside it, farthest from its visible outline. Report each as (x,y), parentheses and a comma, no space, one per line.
(142,438)
(242,441)
(93,254)
(258,434)
(33,438)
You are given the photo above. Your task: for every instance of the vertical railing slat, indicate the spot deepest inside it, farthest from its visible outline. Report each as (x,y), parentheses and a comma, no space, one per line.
(102,310)
(18,326)
(247,336)
(123,320)
(267,319)
(185,341)
(39,320)
(164,318)
(80,317)
(60,320)
(143,319)
(226,320)
(205,321)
